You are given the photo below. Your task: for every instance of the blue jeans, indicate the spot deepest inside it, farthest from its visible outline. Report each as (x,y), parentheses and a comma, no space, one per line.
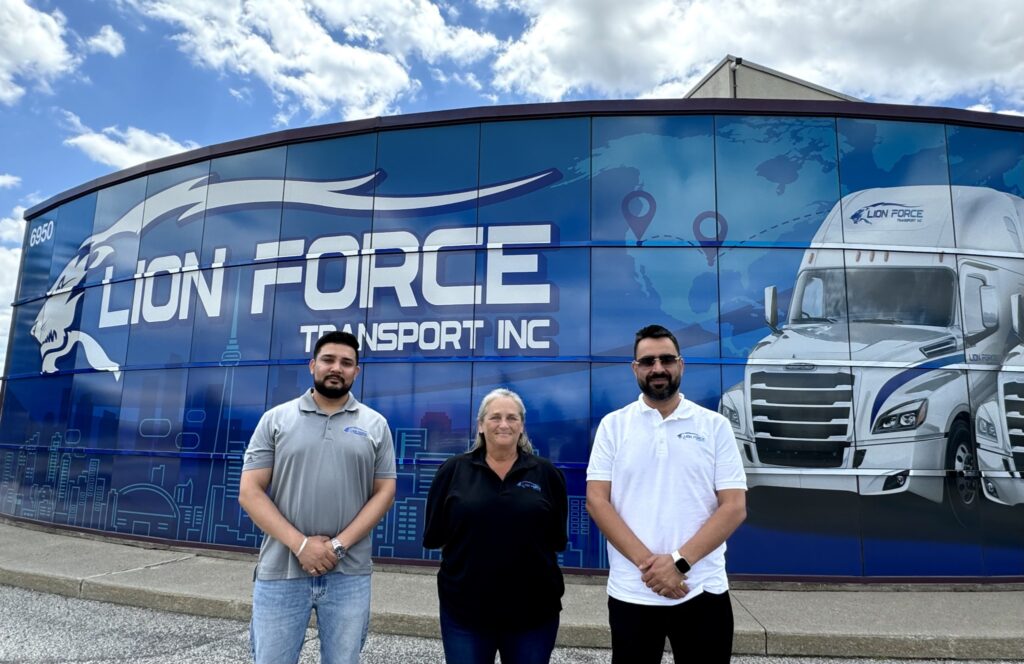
(281,610)
(468,645)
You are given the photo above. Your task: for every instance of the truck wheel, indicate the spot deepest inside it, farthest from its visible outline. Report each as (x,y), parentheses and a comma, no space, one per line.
(962,482)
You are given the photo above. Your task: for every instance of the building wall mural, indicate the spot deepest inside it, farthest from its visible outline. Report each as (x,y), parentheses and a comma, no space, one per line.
(848,292)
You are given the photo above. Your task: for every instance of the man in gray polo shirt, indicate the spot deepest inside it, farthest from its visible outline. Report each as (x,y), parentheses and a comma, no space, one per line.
(319,473)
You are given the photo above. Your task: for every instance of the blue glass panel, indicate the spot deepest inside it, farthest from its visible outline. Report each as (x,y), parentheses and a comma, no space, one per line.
(313,297)
(35,272)
(152,409)
(797,532)
(557,404)
(986,168)
(161,323)
(222,408)
(419,168)
(95,411)
(883,153)
(895,181)
(117,227)
(986,158)
(674,287)
(172,222)
(536,301)
(1003,549)
(427,406)
(237,325)
(612,386)
(35,411)
(58,485)
(653,178)
(25,348)
(777,178)
(104,327)
(908,536)
(243,205)
(330,227)
(586,547)
(743,276)
(559,156)
(428,313)
(74,225)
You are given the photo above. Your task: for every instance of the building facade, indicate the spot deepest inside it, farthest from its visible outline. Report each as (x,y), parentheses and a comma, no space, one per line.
(845,280)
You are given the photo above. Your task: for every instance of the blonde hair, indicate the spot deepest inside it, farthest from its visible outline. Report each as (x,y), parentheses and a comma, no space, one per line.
(524,444)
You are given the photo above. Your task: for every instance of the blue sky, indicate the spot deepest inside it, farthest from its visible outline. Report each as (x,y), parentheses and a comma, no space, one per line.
(88,87)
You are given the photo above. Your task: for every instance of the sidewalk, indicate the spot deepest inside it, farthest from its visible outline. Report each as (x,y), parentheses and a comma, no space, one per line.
(920,622)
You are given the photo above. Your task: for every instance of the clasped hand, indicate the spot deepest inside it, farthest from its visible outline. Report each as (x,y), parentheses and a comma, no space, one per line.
(318,556)
(661,576)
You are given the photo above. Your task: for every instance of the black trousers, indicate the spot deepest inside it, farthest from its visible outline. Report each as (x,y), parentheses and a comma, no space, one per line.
(699,630)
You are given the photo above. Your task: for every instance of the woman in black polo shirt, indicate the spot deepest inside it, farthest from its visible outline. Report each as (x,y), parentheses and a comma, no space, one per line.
(498,513)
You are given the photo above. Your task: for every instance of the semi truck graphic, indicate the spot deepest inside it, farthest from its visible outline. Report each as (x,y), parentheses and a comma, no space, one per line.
(866,386)
(999,424)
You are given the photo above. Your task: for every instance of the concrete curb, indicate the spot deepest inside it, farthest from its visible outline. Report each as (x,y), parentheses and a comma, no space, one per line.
(905,623)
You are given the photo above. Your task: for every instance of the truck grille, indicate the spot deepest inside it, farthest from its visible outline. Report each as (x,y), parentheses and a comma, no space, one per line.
(801,419)
(1013,404)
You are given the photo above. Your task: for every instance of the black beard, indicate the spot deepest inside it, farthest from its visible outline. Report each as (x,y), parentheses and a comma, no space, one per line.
(659,394)
(331,392)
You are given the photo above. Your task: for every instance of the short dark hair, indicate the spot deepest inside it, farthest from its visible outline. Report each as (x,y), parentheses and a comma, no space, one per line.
(654,332)
(337,337)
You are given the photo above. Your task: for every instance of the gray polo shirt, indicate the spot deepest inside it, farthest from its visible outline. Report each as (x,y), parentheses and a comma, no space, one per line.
(323,472)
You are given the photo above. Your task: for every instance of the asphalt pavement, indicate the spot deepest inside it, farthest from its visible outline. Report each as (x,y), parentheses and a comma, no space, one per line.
(938,622)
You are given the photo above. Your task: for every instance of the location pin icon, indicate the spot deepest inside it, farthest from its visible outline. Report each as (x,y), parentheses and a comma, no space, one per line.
(709,243)
(644,202)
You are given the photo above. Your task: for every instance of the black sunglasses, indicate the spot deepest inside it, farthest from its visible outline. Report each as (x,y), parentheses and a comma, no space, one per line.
(647,361)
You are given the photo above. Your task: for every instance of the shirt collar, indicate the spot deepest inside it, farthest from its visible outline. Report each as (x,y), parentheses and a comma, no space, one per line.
(523,460)
(683,409)
(309,405)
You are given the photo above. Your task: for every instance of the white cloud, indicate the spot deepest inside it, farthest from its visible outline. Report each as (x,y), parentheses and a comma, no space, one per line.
(32,50)
(12,230)
(916,51)
(320,56)
(121,148)
(986,106)
(8,181)
(108,41)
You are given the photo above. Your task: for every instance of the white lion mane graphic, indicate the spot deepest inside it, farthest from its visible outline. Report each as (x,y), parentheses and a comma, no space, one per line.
(187,201)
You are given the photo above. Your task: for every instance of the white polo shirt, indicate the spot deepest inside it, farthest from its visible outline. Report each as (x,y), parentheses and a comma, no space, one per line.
(664,475)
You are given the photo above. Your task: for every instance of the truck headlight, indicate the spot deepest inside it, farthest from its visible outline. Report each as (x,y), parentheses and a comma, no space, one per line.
(731,414)
(986,429)
(904,417)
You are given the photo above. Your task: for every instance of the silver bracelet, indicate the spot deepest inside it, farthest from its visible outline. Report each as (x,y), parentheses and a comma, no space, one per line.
(302,546)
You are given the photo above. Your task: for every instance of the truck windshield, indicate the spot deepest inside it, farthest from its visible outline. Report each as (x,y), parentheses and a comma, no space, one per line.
(896,295)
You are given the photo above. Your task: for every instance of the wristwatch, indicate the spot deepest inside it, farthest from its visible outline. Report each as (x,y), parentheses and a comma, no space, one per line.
(339,549)
(680,562)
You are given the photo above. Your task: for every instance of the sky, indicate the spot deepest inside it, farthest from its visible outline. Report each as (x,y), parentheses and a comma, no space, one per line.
(89,87)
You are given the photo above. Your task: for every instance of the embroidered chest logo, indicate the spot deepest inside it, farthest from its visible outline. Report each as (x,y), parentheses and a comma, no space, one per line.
(689,435)
(357,431)
(524,484)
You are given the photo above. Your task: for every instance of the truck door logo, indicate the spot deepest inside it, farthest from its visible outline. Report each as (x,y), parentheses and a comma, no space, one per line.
(898,212)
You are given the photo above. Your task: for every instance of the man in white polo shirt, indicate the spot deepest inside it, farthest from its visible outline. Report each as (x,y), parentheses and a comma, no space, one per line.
(666,486)
(319,473)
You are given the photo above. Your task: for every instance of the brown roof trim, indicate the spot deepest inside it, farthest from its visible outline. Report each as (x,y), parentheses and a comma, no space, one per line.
(545,111)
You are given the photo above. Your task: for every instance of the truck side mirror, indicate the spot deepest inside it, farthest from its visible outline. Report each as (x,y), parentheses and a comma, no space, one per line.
(989,307)
(1016,310)
(771,307)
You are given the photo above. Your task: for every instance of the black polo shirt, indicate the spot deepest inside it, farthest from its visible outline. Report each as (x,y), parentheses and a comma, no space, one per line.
(498,539)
